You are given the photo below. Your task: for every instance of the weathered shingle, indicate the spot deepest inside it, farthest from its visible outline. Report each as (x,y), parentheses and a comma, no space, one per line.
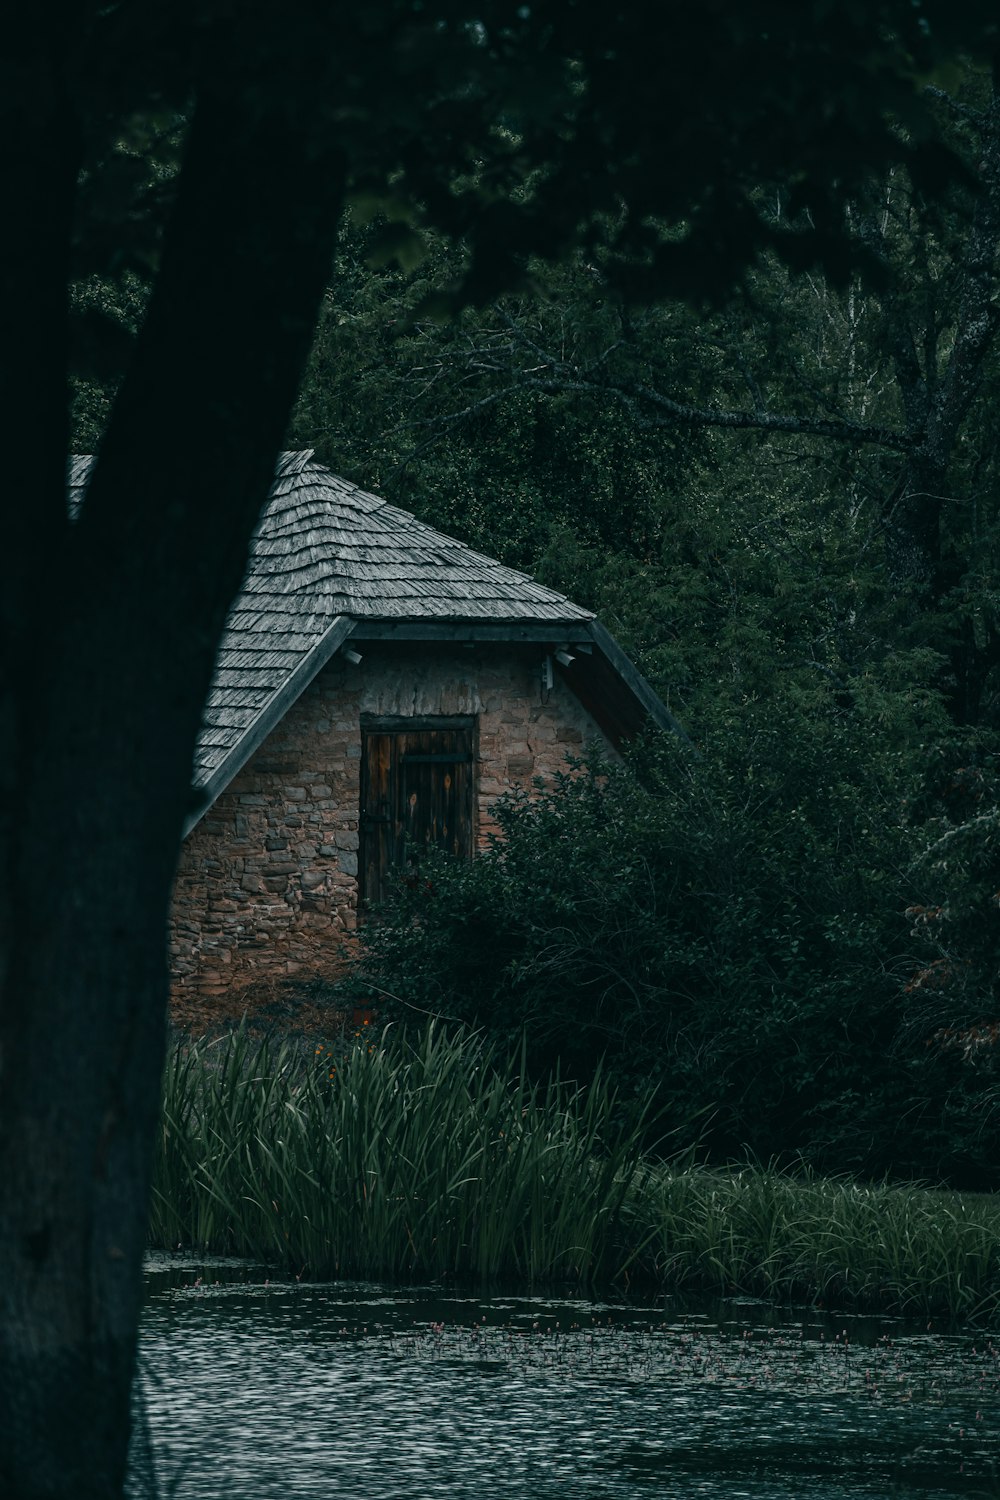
(324,538)
(325,551)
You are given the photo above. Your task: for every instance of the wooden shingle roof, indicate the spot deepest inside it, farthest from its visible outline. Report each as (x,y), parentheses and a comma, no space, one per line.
(323,544)
(329,560)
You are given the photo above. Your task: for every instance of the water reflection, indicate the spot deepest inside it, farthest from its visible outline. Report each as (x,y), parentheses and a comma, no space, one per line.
(257,1389)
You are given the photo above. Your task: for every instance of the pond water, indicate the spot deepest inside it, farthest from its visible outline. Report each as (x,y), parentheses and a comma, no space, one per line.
(255,1388)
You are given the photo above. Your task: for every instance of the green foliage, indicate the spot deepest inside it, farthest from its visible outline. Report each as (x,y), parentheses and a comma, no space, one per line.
(383,1156)
(954,989)
(778,1236)
(747,572)
(106,316)
(811,465)
(728,925)
(386,401)
(427,1157)
(743,931)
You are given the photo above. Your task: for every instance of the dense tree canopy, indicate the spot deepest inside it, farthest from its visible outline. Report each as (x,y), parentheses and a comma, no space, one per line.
(872,403)
(746,496)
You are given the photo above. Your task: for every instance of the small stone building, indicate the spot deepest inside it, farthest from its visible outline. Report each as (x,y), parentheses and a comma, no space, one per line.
(379,686)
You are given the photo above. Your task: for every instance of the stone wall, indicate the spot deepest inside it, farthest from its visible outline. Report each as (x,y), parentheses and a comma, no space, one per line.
(266,889)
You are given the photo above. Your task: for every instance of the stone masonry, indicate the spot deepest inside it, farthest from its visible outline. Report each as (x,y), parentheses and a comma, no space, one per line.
(266,890)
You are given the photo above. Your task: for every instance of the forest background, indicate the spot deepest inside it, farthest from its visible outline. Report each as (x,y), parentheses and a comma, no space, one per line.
(828,642)
(785,506)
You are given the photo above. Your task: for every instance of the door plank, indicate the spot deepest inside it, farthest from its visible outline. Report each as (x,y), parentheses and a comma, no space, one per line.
(417,787)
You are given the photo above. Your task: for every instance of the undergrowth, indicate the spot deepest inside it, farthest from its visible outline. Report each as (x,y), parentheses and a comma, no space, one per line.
(386,1156)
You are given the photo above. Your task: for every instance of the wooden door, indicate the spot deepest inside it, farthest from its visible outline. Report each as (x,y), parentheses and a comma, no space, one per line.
(416,790)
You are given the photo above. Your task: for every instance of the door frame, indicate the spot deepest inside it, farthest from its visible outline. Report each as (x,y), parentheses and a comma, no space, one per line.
(399,725)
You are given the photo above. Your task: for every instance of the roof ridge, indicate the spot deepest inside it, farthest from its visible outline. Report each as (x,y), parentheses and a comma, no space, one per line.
(411,519)
(292,461)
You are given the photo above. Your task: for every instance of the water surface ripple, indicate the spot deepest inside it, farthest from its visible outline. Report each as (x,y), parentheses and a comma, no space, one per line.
(255,1389)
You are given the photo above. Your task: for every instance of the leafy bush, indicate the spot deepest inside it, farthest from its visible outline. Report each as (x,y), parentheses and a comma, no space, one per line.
(730,928)
(954,988)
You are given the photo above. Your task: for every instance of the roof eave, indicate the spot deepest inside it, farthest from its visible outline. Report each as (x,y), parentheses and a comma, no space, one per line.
(645,696)
(204,793)
(524,632)
(638,704)
(642,705)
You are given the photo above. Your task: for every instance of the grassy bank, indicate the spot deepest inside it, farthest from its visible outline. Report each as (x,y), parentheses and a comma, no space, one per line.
(840,1243)
(385,1157)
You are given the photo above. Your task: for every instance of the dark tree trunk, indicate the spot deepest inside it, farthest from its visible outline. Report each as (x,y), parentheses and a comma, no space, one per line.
(107,649)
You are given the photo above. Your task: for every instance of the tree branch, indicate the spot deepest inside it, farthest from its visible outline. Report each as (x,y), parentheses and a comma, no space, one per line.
(668,412)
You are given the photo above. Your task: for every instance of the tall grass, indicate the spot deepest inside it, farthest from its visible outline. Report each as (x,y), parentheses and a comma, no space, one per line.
(838,1242)
(391,1159)
(430,1158)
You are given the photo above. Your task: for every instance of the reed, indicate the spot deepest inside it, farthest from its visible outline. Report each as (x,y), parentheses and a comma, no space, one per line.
(903,1249)
(391,1158)
(432,1158)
